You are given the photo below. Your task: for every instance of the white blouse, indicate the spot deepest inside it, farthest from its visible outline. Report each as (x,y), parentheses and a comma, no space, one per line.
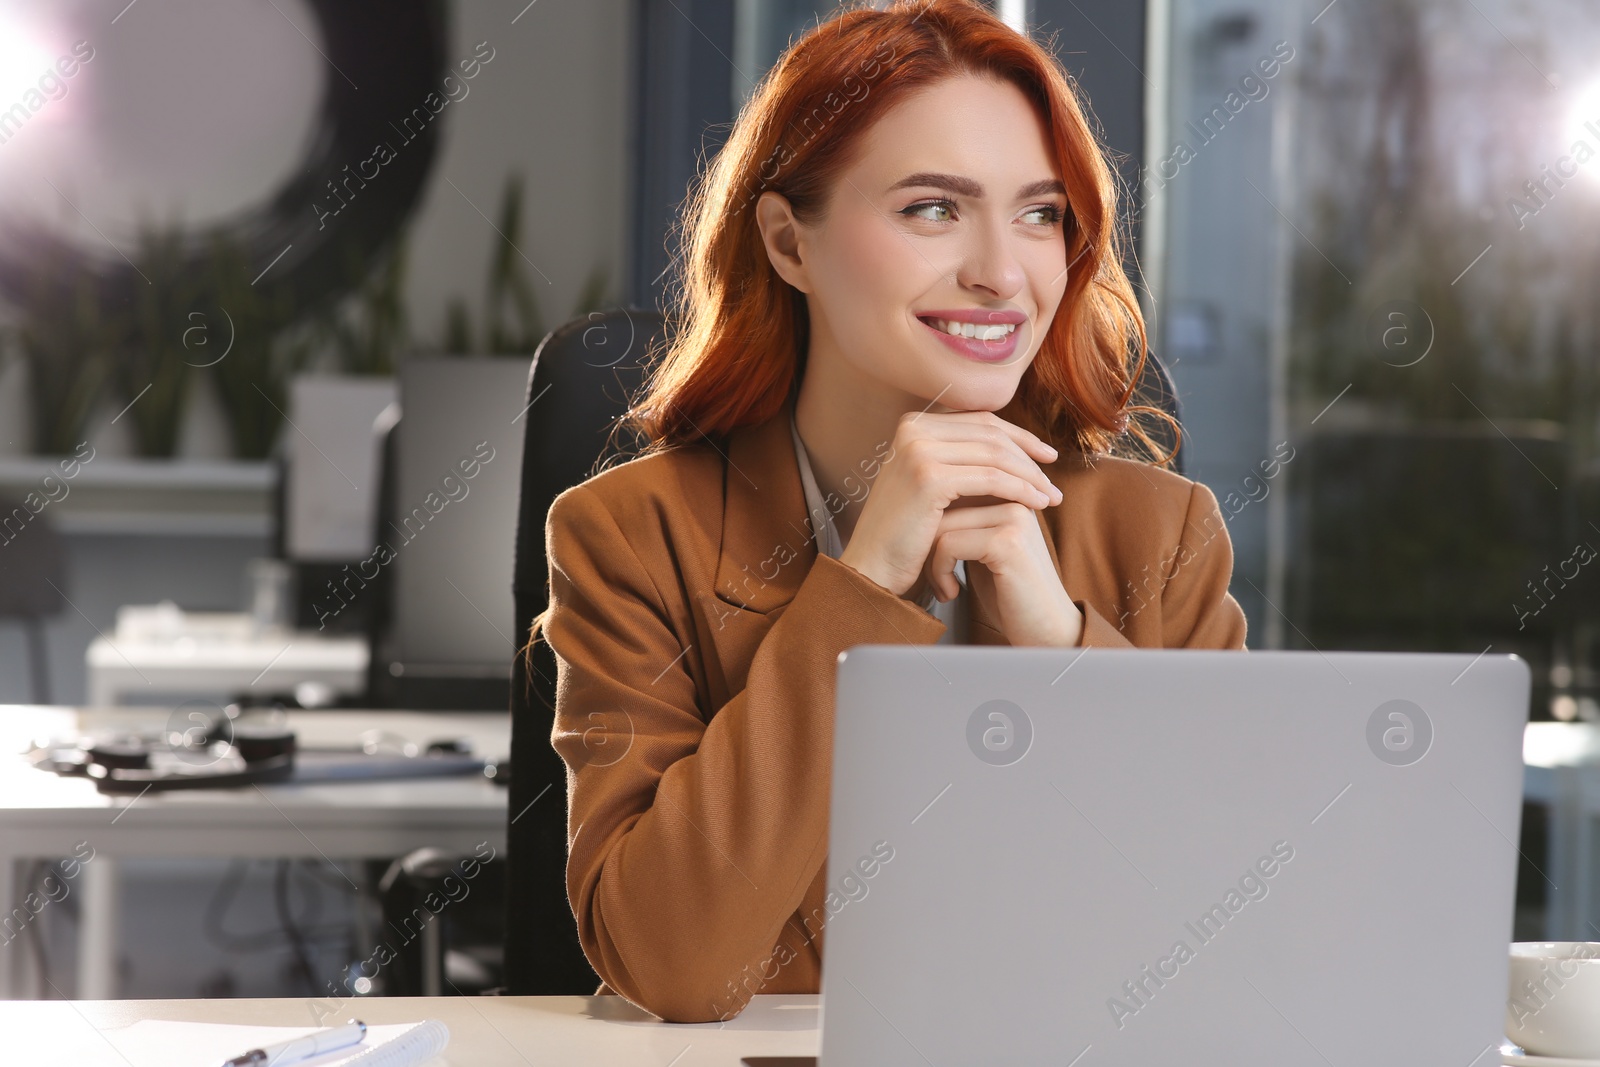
(953,614)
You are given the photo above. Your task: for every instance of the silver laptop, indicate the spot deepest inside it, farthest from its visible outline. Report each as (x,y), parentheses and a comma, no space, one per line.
(1106,857)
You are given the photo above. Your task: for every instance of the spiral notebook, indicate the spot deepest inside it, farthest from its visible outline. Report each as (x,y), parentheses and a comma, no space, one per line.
(165,1043)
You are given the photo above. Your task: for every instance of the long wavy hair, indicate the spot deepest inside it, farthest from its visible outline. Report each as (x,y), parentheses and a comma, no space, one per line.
(741,331)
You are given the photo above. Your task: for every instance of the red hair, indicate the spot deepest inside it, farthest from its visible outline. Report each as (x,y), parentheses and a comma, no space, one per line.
(741,330)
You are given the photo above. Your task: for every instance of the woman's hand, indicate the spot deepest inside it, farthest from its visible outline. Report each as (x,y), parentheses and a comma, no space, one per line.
(1014,579)
(938,459)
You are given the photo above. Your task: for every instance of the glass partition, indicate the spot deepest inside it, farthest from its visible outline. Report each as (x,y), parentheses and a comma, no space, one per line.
(1374,228)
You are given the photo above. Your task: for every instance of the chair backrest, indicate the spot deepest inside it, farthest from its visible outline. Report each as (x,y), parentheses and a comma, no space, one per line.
(582,378)
(1156,389)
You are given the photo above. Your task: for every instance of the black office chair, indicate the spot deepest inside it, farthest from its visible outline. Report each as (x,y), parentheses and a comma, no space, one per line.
(443,943)
(1155,388)
(582,378)
(32,580)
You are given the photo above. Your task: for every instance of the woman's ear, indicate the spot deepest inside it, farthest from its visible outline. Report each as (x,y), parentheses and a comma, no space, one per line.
(780,233)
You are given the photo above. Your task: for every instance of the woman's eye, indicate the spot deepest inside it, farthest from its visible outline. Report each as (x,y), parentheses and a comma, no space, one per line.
(938,205)
(1051,214)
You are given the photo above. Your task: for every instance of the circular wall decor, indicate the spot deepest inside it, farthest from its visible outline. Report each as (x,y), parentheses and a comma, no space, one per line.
(315,237)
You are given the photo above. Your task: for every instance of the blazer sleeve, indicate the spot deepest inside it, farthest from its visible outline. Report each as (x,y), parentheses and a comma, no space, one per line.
(693,833)
(1197,611)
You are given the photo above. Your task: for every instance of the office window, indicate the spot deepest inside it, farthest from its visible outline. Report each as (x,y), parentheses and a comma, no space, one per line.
(1373,287)
(764,28)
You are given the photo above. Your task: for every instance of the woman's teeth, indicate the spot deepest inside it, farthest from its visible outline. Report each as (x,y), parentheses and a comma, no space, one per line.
(971,329)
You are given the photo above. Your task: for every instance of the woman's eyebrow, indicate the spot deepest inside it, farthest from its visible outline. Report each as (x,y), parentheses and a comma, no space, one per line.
(955,183)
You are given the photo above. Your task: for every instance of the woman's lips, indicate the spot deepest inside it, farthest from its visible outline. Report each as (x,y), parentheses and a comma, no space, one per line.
(997,351)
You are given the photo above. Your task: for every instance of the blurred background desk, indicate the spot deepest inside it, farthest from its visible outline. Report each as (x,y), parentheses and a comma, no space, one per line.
(222,653)
(43,815)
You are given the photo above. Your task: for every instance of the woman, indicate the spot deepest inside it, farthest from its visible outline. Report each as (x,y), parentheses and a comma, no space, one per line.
(830,465)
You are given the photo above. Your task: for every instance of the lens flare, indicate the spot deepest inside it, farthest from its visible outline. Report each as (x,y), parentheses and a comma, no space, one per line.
(23,58)
(1583,125)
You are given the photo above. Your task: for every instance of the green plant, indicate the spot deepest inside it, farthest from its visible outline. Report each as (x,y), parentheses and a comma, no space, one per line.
(65,341)
(77,342)
(151,367)
(512,322)
(366,331)
(253,379)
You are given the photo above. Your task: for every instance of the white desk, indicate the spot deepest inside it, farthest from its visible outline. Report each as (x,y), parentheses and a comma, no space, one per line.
(220,655)
(43,815)
(484,1031)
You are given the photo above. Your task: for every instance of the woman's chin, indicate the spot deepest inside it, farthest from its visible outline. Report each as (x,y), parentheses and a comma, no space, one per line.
(963,397)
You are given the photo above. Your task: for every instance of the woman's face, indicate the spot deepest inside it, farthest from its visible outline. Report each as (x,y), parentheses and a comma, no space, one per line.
(953,209)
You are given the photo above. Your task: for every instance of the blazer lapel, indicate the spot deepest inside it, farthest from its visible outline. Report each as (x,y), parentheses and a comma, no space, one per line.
(767,547)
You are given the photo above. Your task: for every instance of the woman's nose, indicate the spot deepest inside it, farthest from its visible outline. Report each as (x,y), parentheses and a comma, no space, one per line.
(988,260)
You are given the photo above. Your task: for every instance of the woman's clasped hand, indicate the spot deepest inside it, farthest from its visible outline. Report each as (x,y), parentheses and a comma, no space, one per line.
(966,485)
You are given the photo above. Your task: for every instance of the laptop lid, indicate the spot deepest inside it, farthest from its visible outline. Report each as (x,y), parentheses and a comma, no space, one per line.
(1102,857)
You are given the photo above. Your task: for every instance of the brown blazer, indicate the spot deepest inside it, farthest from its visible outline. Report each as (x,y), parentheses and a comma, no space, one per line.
(696,628)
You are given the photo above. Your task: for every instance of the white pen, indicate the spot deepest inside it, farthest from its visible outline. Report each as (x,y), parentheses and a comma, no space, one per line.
(302,1048)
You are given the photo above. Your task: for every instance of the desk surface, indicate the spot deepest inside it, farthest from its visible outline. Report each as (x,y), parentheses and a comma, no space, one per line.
(484,1031)
(39,810)
(46,815)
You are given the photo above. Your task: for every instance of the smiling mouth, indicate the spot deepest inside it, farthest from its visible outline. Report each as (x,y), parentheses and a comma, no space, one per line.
(970,330)
(989,343)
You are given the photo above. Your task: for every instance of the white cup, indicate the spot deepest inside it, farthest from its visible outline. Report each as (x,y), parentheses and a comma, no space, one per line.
(1553,1008)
